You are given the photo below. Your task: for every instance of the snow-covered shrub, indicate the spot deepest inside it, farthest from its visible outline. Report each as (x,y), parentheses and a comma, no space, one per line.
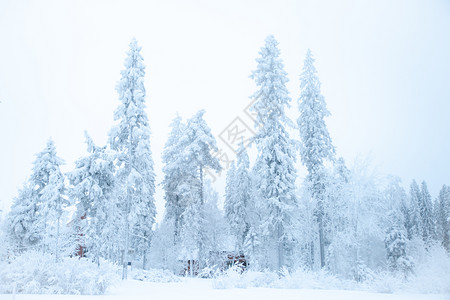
(432,275)
(233,278)
(37,273)
(362,273)
(154,275)
(301,279)
(385,282)
(259,279)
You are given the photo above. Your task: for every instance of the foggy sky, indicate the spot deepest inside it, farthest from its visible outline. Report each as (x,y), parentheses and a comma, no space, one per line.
(384,68)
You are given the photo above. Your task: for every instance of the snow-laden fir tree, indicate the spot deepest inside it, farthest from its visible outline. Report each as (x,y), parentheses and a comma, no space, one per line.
(237,198)
(443,217)
(97,211)
(22,222)
(395,243)
(426,214)
(32,210)
(414,228)
(131,139)
(404,209)
(276,152)
(198,145)
(316,146)
(55,201)
(46,163)
(174,171)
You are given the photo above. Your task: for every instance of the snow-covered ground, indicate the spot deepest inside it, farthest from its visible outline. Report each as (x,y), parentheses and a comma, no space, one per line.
(198,289)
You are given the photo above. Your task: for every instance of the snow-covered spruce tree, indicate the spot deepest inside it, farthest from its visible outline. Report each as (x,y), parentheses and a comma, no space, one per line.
(196,156)
(426,214)
(131,139)
(46,163)
(395,243)
(237,198)
(276,152)
(201,143)
(316,145)
(22,222)
(92,187)
(414,228)
(174,172)
(55,200)
(404,209)
(443,217)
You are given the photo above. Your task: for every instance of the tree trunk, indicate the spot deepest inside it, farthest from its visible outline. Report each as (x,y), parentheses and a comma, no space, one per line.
(312,256)
(57,239)
(318,192)
(125,256)
(321,243)
(177,221)
(280,247)
(144,259)
(127,210)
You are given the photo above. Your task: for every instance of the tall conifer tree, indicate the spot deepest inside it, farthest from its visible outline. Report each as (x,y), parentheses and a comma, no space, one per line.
(316,146)
(274,165)
(131,139)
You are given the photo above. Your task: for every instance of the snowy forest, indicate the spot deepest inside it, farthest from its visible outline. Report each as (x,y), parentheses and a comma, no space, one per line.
(342,221)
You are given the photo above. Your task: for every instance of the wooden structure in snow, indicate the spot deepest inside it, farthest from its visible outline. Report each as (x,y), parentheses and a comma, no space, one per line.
(222,260)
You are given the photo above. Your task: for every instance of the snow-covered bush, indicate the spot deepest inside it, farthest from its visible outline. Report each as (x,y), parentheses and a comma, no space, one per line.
(233,278)
(432,275)
(258,279)
(362,273)
(302,279)
(154,275)
(37,273)
(384,282)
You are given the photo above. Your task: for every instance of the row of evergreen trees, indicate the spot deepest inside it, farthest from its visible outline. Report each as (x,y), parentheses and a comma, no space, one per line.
(109,196)
(341,219)
(344,220)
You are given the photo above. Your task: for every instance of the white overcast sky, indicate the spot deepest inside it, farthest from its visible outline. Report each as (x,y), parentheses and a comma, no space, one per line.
(384,68)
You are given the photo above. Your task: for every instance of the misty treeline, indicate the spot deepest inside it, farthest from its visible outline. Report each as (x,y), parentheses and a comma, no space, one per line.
(347,220)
